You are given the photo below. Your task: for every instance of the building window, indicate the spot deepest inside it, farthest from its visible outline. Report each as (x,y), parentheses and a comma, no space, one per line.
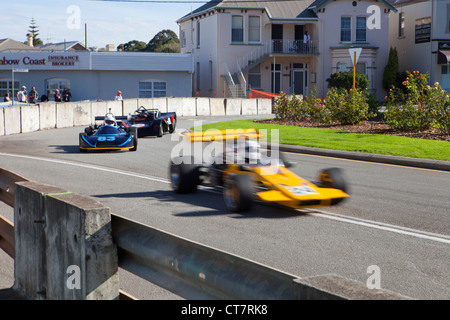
(198,75)
(198,34)
(361,68)
(254,78)
(152,89)
(56,84)
(448,18)
(6,87)
(341,67)
(445,79)
(237,29)
(210,75)
(346,29)
(361,29)
(401,24)
(254,29)
(183,39)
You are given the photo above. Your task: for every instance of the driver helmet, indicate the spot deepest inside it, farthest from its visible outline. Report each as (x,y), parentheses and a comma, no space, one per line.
(109,119)
(252,153)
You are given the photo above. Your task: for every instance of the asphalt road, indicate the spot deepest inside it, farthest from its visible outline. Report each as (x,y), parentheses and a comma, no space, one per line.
(398,218)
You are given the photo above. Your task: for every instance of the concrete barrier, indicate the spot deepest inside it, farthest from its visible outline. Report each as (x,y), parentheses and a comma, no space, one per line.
(12,120)
(63,245)
(2,121)
(30,118)
(47,115)
(249,107)
(64,115)
(18,119)
(233,107)
(217,106)
(82,113)
(203,107)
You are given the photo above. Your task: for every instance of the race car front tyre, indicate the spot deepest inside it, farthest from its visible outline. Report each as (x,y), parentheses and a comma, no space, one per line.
(79,142)
(238,193)
(184,175)
(333,178)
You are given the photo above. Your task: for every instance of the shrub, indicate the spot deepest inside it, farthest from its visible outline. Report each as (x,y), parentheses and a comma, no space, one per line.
(391,70)
(417,106)
(344,80)
(315,108)
(347,106)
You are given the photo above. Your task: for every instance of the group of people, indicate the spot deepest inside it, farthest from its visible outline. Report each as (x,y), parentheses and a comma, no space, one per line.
(33,96)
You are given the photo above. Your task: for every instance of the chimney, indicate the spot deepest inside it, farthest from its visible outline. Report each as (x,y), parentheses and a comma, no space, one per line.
(30,39)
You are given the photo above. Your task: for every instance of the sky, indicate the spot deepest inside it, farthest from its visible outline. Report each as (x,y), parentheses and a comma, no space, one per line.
(107,22)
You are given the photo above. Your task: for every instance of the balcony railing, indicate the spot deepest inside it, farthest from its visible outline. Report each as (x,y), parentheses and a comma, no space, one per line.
(294,46)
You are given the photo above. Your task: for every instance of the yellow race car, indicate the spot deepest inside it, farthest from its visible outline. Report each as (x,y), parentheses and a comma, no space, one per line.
(246,175)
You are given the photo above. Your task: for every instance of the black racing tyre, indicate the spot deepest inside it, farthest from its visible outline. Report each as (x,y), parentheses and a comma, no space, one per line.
(238,193)
(134,132)
(161,130)
(173,125)
(79,142)
(332,178)
(184,175)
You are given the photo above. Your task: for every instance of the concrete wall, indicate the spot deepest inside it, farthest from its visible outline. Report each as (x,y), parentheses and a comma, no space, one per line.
(63,245)
(21,119)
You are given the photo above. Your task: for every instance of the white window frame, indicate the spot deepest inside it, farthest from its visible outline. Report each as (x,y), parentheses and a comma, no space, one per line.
(61,84)
(150,92)
(239,28)
(8,88)
(256,30)
(401,24)
(359,28)
(183,38)
(346,30)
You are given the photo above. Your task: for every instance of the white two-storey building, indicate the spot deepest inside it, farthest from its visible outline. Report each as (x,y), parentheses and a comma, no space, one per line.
(240,45)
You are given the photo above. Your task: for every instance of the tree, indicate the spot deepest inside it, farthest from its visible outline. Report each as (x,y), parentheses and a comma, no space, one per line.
(344,80)
(131,46)
(35,32)
(390,73)
(164,41)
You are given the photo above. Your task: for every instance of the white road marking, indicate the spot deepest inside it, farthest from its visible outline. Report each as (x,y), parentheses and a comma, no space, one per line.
(313,212)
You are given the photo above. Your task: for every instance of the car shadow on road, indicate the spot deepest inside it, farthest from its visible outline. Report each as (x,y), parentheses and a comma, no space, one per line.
(65,148)
(210,200)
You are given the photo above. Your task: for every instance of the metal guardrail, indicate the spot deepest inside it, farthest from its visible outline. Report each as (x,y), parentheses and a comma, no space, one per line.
(7,181)
(196,271)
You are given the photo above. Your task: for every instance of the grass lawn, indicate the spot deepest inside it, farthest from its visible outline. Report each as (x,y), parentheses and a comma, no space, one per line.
(343,140)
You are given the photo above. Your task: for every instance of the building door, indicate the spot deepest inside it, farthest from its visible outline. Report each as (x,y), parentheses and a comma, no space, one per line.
(298,76)
(299,31)
(277,38)
(276,78)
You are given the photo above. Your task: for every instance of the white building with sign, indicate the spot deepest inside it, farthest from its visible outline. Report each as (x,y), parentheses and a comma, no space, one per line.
(421,35)
(98,75)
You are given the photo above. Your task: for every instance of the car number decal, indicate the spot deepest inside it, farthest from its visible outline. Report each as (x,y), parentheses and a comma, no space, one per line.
(301,190)
(112,138)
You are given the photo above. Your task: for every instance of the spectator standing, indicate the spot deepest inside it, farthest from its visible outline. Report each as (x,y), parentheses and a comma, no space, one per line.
(67,96)
(33,95)
(57,96)
(306,41)
(22,95)
(7,98)
(119,95)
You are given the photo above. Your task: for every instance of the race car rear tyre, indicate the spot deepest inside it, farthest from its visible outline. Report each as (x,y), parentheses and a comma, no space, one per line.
(333,178)
(173,125)
(161,130)
(238,193)
(184,175)
(134,132)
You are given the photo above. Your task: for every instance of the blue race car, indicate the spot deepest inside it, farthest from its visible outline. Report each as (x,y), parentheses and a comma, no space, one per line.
(108,136)
(150,122)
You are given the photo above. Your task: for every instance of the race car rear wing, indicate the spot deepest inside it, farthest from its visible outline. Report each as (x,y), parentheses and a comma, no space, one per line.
(222,135)
(101,118)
